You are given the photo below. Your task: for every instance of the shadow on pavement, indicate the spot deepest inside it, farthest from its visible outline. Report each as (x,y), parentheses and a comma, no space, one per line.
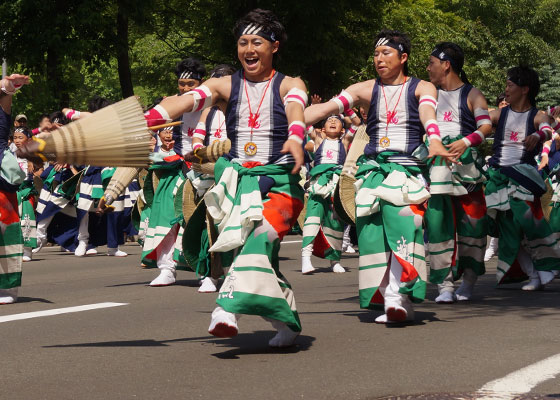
(131,343)
(33,300)
(489,300)
(242,344)
(257,343)
(184,282)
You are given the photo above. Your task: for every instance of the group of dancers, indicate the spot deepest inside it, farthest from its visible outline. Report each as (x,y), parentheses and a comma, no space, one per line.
(423,191)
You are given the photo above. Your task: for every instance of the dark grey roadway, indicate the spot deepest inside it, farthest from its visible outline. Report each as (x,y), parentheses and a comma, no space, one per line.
(157,346)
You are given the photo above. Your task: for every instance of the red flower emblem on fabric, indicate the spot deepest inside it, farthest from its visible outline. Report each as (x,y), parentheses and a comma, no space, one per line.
(447,116)
(190,132)
(254,121)
(392,117)
(514,136)
(330,154)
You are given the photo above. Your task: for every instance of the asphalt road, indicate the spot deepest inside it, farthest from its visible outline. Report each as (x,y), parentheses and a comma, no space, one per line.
(156,346)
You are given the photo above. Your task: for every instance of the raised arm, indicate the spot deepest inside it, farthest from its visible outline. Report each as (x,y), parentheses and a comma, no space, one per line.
(204,96)
(73,115)
(358,94)
(8,87)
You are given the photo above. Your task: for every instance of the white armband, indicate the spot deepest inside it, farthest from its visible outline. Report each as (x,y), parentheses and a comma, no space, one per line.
(202,98)
(296,95)
(200,131)
(482,117)
(72,114)
(428,100)
(344,101)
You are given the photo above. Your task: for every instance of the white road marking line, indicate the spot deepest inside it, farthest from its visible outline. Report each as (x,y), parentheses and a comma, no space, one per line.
(522,380)
(57,311)
(292,241)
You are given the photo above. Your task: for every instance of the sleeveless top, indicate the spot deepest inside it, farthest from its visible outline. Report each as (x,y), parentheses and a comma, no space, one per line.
(513,128)
(330,152)
(453,114)
(215,126)
(270,130)
(405,130)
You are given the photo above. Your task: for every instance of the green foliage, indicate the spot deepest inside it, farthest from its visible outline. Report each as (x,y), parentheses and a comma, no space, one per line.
(69,48)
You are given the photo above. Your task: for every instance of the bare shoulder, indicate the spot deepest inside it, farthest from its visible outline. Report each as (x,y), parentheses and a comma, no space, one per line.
(425,88)
(291,82)
(361,92)
(220,86)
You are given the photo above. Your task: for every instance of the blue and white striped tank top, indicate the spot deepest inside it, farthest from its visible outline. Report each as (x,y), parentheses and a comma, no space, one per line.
(270,130)
(403,132)
(453,114)
(513,128)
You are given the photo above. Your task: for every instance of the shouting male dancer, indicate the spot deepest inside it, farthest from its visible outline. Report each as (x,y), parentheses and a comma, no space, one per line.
(257,198)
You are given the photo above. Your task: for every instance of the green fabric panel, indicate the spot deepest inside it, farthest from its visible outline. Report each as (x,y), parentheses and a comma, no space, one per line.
(11,280)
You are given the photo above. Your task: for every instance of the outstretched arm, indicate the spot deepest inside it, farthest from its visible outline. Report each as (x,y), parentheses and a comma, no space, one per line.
(355,95)
(204,96)
(8,87)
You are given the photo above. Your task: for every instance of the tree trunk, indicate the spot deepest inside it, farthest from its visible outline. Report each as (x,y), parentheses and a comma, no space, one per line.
(56,80)
(125,77)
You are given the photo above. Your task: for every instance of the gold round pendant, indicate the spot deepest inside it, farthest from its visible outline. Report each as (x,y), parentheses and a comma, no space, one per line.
(250,149)
(384,142)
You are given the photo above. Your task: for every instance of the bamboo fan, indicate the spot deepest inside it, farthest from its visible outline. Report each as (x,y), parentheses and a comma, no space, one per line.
(206,168)
(189,200)
(216,268)
(301,216)
(345,196)
(214,151)
(114,136)
(120,180)
(545,200)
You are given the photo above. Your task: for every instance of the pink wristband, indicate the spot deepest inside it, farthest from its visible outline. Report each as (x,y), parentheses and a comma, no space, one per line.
(474,138)
(156,116)
(432,130)
(296,131)
(197,146)
(350,113)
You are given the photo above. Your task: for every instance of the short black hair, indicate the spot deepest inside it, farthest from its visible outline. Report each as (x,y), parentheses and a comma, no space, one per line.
(59,115)
(43,116)
(525,76)
(222,70)
(192,65)
(267,19)
(397,37)
(456,55)
(97,103)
